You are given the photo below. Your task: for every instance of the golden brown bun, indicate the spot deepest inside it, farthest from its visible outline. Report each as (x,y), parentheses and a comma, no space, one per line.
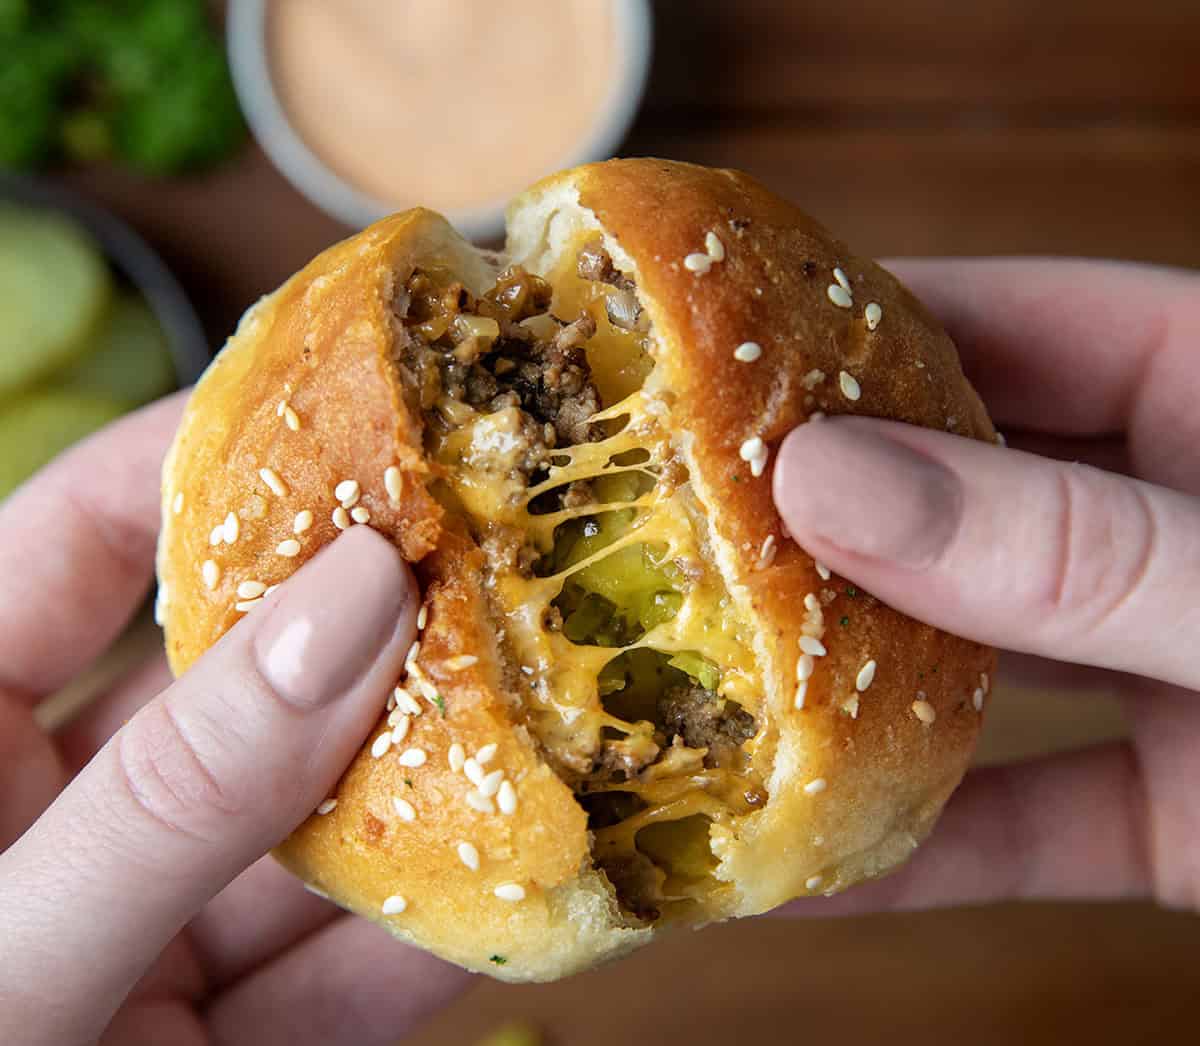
(852,790)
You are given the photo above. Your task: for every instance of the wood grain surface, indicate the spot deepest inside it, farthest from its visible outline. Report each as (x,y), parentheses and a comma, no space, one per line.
(910,127)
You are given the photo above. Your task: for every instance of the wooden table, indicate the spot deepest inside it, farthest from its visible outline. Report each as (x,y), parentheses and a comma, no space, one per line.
(912,127)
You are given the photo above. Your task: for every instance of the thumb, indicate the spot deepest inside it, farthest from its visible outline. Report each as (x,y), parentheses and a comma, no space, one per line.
(202,781)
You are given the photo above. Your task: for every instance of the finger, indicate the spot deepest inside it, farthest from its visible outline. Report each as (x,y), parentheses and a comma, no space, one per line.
(78,550)
(351,982)
(1072,347)
(1062,561)
(1069,826)
(202,782)
(1108,453)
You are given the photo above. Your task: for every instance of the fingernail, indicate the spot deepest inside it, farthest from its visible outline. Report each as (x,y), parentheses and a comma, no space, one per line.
(846,484)
(333,618)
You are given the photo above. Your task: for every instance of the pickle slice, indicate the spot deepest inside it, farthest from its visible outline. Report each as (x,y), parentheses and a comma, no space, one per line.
(128,360)
(34,429)
(54,285)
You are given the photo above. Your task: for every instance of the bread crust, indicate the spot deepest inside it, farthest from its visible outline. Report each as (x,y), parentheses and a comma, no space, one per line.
(855,779)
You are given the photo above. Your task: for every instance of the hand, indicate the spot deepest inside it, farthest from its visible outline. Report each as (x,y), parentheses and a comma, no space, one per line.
(131,894)
(1084,362)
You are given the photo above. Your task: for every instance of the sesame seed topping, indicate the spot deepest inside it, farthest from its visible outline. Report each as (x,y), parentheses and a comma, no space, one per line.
(866,676)
(347,492)
(251,589)
(851,389)
(210,573)
(527,669)
(271,478)
(457,756)
(872,314)
(984,682)
(752,448)
(469,856)
(766,555)
(850,706)
(406,702)
(490,785)
(291,419)
(280,408)
(480,803)
(341,518)
(216,535)
(394,905)
(404,809)
(510,892)
(811,603)
(977,699)
(382,744)
(391,483)
(244,606)
(924,711)
(394,713)
(812,379)
(747,352)
(422,617)
(812,645)
(360,514)
(801,694)
(822,570)
(804,667)
(303,521)
(507,798)
(697,263)
(413,757)
(473,771)
(486,754)
(411,657)
(714,246)
(177,503)
(289,548)
(1000,440)
(812,882)
(816,785)
(327,807)
(839,296)
(842,281)
(230,529)
(399,727)
(461,661)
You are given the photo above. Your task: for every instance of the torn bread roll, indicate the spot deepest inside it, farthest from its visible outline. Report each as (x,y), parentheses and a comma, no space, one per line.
(635,702)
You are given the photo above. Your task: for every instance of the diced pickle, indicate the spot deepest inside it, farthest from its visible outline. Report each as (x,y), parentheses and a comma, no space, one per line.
(703,672)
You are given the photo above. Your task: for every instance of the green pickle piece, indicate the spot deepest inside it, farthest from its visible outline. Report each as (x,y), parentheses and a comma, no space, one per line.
(129,360)
(698,668)
(35,428)
(54,287)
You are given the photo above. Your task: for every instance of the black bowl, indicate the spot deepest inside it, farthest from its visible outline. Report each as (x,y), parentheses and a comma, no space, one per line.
(133,259)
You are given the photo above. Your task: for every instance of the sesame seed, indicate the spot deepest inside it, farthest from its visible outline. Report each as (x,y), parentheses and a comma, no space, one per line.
(984,682)
(303,521)
(394,905)
(850,706)
(473,771)
(490,785)
(400,728)
(842,281)
(289,548)
(291,419)
(714,246)
(1000,440)
(812,882)
(216,535)
(177,503)
(805,664)
(812,645)
(766,555)
(811,603)
(507,798)
(872,314)
(406,702)
(327,807)
(271,478)
(528,670)
(280,408)
(851,389)
(469,856)
(251,589)
(230,529)
(924,711)
(510,892)
(812,379)
(977,699)
(801,694)
(211,574)
(839,296)
(341,518)
(391,483)
(747,352)
(816,785)
(382,743)
(394,714)
(404,809)
(752,448)
(457,756)
(487,753)
(244,606)
(480,803)
(413,757)
(411,657)
(697,263)
(866,676)
(428,690)
(822,570)
(347,492)
(457,664)
(360,515)
(391,704)
(422,617)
